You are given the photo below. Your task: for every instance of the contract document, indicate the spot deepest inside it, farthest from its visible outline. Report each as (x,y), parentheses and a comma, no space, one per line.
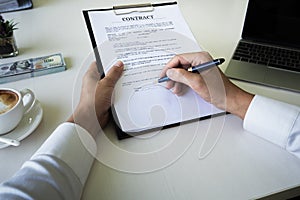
(145,38)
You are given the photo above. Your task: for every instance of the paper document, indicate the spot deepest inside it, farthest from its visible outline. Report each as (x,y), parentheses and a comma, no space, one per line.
(145,39)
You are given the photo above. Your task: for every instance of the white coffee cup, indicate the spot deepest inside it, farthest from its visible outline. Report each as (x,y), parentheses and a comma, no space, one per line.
(13,105)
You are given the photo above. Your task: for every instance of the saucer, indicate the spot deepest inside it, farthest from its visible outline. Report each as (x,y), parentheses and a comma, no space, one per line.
(28,124)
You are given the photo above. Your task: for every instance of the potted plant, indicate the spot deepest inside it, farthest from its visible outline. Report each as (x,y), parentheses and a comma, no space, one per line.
(8,45)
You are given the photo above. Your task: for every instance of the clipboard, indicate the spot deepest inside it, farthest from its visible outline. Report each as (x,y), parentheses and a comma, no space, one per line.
(123,125)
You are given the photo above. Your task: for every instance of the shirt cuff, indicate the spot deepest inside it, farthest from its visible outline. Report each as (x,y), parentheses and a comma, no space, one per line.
(73,145)
(270,119)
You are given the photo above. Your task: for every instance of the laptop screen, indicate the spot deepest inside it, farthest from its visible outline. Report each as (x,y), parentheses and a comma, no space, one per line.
(273,21)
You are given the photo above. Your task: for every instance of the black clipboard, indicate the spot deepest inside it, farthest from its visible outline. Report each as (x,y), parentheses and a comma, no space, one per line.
(123,9)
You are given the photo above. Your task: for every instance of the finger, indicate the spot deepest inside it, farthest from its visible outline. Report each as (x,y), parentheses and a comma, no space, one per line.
(170,84)
(181,75)
(177,89)
(175,62)
(180,89)
(92,73)
(199,58)
(113,74)
(186,60)
(105,88)
(93,68)
(178,75)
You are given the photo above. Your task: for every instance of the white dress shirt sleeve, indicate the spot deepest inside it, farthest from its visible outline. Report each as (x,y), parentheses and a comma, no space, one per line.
(58,170)
(73,145)
(276,122)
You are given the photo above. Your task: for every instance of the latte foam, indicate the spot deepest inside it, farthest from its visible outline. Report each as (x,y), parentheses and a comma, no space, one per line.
(8,100)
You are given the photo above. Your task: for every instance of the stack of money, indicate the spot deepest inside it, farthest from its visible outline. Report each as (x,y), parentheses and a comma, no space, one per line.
(31,67)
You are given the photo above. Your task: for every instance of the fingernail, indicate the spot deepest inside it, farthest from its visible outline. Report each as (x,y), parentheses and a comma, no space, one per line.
(118,64)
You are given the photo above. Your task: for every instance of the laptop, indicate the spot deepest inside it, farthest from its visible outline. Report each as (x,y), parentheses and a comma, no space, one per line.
(269,51)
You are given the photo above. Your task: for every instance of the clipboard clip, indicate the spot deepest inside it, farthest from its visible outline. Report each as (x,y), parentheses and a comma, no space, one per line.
(126,9)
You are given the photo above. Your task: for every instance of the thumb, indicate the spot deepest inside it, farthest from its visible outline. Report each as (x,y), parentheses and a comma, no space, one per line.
(113,74)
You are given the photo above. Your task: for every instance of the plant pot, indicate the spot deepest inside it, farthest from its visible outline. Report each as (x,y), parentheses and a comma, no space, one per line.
(8,47)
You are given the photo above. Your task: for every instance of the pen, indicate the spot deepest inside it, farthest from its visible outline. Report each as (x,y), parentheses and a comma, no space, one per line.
(198,68)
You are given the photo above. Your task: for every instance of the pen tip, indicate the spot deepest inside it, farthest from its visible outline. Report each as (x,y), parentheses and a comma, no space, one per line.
(155,82)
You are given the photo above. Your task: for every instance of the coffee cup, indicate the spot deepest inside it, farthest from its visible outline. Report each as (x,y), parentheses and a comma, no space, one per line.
(13,105)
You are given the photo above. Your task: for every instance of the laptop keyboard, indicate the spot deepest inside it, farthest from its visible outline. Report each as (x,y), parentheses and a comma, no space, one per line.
(270,56)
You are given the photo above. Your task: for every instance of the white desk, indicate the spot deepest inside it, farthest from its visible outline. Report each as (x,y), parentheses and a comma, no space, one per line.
(240,166)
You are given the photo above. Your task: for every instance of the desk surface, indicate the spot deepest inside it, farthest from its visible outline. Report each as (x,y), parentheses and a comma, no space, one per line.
(229,163)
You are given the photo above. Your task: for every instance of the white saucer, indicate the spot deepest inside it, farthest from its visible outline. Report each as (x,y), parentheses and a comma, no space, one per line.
(28,124)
